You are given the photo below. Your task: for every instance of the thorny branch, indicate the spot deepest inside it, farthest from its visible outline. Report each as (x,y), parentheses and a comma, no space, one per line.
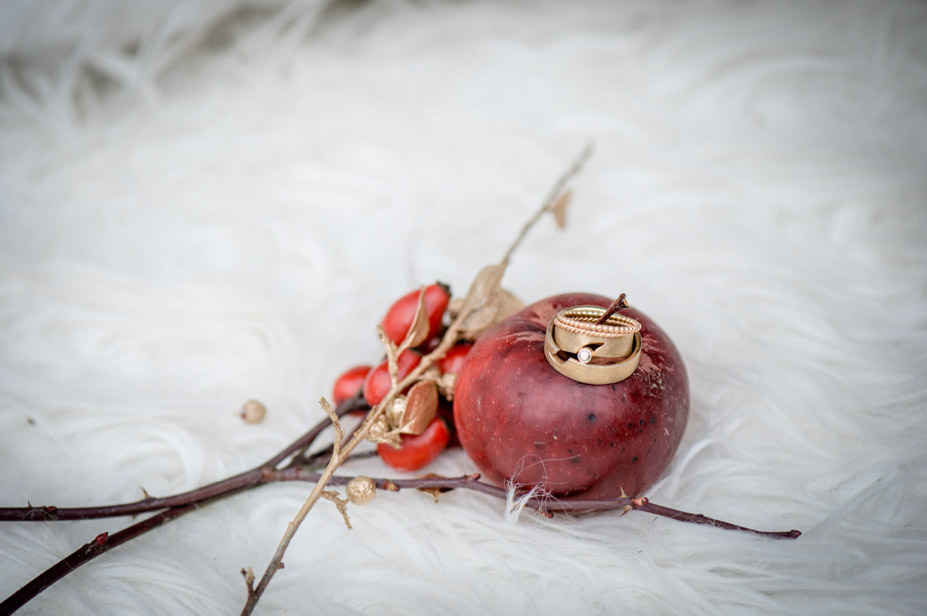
(241,481)
(485,286)
(87,552)
(194,499)
(479,307)
(172,506)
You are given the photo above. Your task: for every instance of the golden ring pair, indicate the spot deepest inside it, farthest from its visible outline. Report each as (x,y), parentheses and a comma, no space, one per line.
(578,347)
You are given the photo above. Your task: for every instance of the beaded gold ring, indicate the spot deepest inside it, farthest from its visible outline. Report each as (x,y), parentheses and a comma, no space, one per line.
(584,350)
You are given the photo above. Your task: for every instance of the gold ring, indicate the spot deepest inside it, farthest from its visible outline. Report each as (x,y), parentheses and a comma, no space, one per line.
(578,347)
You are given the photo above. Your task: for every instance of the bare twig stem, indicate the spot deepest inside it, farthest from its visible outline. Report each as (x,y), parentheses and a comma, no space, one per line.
(174,506)
(550,200)
(50,513)
(339,454)
(697,518)
(545,505)
(103,542)
(541,503)
(224,487)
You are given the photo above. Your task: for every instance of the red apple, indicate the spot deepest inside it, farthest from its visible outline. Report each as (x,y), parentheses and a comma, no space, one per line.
(522,421)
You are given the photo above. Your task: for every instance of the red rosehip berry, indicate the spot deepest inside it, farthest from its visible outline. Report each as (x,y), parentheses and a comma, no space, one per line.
(349,383)
(400,315)
(418,450)
(454,359)
(378,382)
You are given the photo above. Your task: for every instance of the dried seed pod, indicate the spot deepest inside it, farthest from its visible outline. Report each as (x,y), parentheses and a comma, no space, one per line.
(395,412)
(380,432)
(253,412)
(360,490)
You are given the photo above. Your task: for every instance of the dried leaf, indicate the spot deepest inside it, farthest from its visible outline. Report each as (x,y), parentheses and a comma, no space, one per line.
(421,406)
(433,491)
(482,301)
(483,317)
(559,207)
(391,353)
(454,306)
(486,284)
(419,329)
(508,304)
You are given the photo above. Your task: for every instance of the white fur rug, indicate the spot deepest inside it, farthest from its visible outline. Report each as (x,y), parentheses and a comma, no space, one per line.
(204,203)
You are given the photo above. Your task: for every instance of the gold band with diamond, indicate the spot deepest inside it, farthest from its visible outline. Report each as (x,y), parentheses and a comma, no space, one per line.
(580,348)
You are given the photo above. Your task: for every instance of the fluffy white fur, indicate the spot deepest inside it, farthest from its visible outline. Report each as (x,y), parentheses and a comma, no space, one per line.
(207,203)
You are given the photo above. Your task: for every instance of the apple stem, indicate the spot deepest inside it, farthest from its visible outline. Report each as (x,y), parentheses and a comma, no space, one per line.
(619,304)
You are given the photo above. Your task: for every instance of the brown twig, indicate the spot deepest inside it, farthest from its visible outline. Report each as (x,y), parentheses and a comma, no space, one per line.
(103,542)
(51,513)
(173,506)
(543,504)
(334,457)
(340,452)
(697,518)
(241,481)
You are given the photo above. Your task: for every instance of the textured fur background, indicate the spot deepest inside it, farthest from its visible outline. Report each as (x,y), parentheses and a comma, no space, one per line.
(207,203)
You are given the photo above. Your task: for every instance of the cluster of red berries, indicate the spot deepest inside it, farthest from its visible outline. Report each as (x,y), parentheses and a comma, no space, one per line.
(373,382)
